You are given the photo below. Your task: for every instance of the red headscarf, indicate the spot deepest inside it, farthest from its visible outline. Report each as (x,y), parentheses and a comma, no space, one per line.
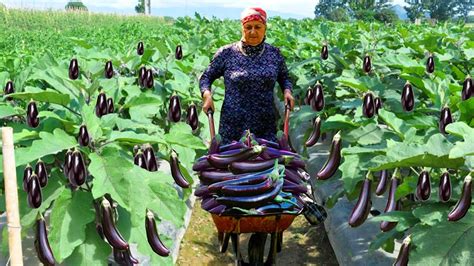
(253,13)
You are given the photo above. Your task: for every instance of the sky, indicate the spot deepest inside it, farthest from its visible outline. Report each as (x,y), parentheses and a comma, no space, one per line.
(289,8)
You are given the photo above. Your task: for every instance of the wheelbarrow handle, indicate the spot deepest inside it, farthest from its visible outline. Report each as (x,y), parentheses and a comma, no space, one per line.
(286,124)
(210,113)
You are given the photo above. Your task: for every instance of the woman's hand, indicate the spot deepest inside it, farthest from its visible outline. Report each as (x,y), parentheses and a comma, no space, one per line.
(289,98)
(207,101)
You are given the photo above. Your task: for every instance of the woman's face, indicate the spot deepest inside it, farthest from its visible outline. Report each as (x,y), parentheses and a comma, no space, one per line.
(253,32)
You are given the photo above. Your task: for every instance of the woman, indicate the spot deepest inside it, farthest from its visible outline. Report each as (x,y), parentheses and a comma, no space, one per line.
(250,68)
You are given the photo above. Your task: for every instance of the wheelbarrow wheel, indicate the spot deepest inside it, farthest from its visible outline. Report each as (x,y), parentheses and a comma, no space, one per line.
(272,253)
(256,248)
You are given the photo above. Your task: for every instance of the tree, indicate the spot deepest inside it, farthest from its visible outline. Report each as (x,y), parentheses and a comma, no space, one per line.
(360,9)
(140,7)
(75,5)
(326,8)
(386,15)
(439,9)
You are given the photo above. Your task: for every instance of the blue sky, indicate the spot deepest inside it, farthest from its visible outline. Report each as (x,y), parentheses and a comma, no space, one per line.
(286,8)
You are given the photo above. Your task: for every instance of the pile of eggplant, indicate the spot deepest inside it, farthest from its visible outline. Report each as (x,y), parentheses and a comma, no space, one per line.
(252,176)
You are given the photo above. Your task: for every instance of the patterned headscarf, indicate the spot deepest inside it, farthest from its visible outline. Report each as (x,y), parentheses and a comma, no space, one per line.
(253,13)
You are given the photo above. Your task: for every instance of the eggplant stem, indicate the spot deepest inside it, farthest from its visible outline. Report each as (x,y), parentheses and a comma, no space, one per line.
(414,170)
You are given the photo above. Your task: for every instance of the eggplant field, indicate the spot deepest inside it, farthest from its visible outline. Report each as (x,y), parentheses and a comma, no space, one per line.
(112,144)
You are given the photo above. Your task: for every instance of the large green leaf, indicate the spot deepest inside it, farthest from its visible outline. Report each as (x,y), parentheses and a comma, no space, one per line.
(394,122)
(445,243)
(181,134)
(48,96)
(7,110)
(47,144)
(93,251)
(69,217)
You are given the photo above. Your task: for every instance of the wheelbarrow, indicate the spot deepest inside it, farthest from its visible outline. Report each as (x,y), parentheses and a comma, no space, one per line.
(229,227)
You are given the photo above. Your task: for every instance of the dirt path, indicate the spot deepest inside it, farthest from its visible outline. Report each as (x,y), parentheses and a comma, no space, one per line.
(302,244)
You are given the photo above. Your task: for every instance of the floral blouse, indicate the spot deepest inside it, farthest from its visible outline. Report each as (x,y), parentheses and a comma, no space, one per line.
(250,74)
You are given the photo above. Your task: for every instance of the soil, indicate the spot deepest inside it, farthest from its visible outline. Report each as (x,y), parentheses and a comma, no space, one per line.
(303,244)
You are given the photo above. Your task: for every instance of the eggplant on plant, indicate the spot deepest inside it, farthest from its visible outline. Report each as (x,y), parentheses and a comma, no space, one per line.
(140,160)
(110,105)
(445,119)
(333,161)
(315,133)
(42,173)
(309,96)
(32,118)
(403,255)
(176,172)
(324,51)
(34,195)
(408,98)
(26,176)
(378,104)
(174,111)
(140,48)
(467,88)
(153,237)
(9,88)
(43,249)
(178,54)
(83,137)
(109,70)
(317,102)
(364,203)
(423,188)
(78,172)
(464,203)
(392,204)
(108,226)
(73,69)
(149,82)
(142,76)
(192,118)
(382,185)
(444,190)
(367,64)
(430,64)
(150,159)
(101,105)
(368,105)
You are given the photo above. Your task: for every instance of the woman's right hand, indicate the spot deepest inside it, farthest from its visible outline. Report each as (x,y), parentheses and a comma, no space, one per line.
(207,101)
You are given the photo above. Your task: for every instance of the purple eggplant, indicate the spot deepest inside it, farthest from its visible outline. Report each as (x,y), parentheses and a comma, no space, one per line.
(252,201)
(9,88)
(140,160)
(408,98)
(214,145)
(430,64)
(309,96)
(294,188)
(79,170)
(202,165)
(367,64)
(423,188)
(378,104)
(368,106)
(392,205)
(223,161)
(32,118)
(202,191)
(148,81)
(315,133)
(150,159)
(110,106)
(109,70)
(324,52)
(467,88)
(174,112)
(67,163)
(43,249)
(444,191)
(445,119)
(248,179)
(73,69)
(209,203)
(317,102)
(268,143)
(83,137)
(140,48)
(382,185)
(464,203)
(214,176)
(42,173)
(292,175)
(403,255)
(101,105)
(333,161)
(111,233)
(142,76)
(251,166)
(176,172)
(192,118)
(218,209)
(178,54)
(34,195)
(364,203)
(26,176)
(272,153)
(247,190)
(153,237)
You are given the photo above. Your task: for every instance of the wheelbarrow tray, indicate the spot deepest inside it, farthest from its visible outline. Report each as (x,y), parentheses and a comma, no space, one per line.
(271,223)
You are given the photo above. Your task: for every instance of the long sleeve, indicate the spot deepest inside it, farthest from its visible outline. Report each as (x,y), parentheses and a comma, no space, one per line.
(283,76)
(214,71)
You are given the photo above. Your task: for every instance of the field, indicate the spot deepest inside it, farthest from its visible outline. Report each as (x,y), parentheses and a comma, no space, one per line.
(408,140)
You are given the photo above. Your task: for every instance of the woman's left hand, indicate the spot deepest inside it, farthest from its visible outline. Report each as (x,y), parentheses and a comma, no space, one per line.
(289,98)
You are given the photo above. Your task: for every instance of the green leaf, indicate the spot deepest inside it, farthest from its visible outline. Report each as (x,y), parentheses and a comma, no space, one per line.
(48,144)
(181,134)
(48,96)
(69,217)
(404,219)
(431,213)
(7,110)
(366,135)
(91,121)
(460,129)
(93,251)
(338,122)
(132,137)
(394,122)
(445,243)
(351,173)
